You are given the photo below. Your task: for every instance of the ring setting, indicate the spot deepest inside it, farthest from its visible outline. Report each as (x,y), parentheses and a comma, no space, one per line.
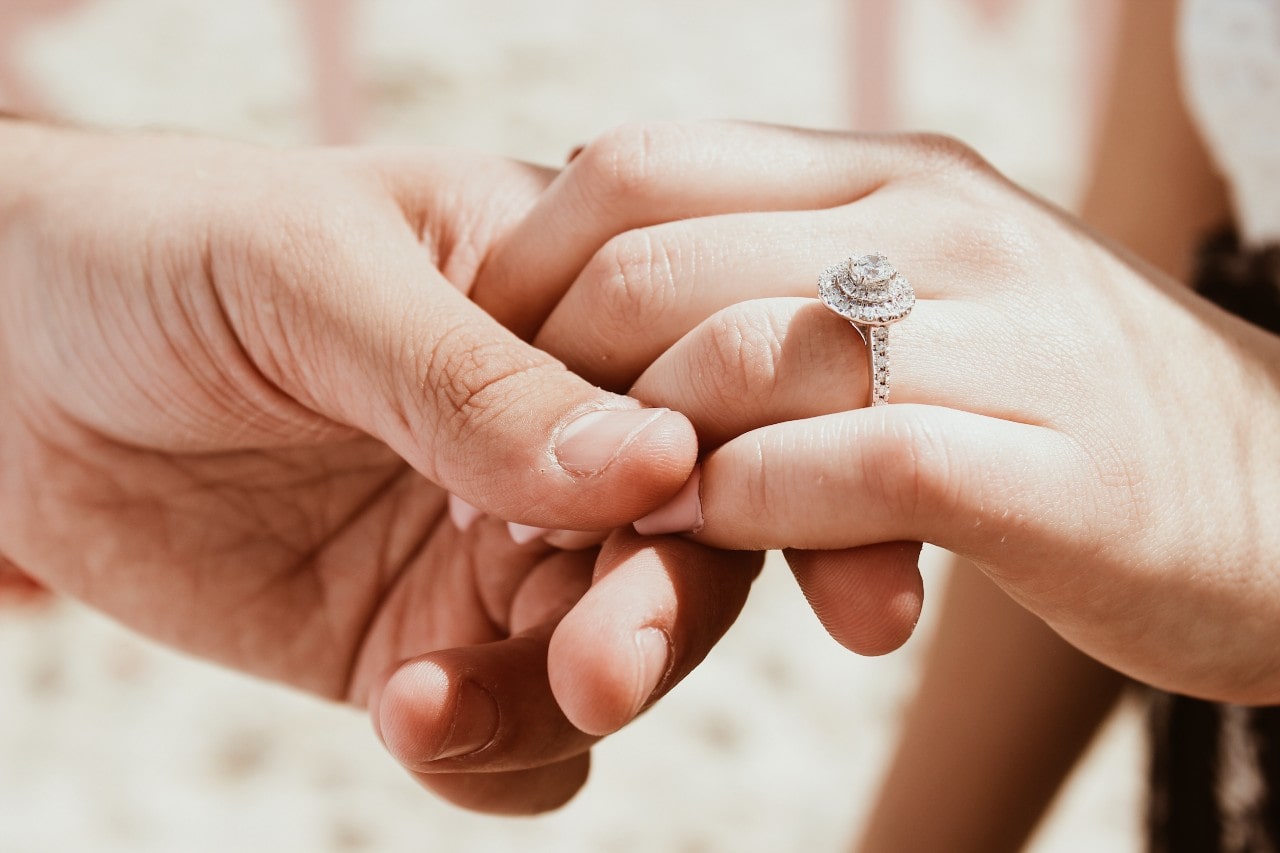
(872,295)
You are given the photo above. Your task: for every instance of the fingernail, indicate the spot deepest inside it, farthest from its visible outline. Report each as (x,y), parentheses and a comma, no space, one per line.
(475,722)
(590,443)
(523,534)
(682,514)
(462,513)
(576,540)
(653,657)
(573,155)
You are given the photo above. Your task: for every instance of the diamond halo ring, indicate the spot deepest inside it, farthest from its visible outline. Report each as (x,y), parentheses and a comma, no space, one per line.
(869,293)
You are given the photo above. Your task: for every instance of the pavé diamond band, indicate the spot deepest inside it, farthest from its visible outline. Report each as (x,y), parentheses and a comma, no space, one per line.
(869,293)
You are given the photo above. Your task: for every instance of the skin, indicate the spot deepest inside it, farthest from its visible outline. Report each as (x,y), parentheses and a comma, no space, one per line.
(1005,706)
(237,384)
(1036,431)
(641,294)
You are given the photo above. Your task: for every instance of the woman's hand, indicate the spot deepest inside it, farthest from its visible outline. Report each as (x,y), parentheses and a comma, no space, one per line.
(1101,442)
(236,384)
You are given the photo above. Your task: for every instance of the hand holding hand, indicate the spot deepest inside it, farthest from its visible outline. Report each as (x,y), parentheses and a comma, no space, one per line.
(237,383)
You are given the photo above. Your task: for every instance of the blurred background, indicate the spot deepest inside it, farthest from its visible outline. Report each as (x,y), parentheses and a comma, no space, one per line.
(108,743)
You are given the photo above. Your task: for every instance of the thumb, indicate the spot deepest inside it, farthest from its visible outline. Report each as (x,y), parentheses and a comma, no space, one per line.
(512,431)
(385,344)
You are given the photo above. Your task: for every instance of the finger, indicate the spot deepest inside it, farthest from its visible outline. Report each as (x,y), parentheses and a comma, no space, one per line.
(773,360)
(512,792)
(462,514)
(434,187)
(576,540)
(381,342)
(646,174)
(979,486)
(487,708)
(654,612)
(868,598)
(647,287)
(523,534)
(478,709)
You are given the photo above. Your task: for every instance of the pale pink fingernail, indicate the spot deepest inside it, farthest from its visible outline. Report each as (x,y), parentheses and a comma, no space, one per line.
(462,513)
(523,534)
(653,658)
(682,514)
(576,540)
(590,443)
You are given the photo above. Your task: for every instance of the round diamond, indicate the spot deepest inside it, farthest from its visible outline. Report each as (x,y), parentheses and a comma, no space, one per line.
(871,268)
(866,290)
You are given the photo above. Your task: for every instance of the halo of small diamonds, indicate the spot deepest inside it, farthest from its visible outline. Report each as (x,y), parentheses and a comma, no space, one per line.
(866,290)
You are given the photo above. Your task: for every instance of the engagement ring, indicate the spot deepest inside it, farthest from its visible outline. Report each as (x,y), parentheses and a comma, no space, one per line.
(869,293)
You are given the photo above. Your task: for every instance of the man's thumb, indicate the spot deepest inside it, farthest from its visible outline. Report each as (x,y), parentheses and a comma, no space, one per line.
(487,416)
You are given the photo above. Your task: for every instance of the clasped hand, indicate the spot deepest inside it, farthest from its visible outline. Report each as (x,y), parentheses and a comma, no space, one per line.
(240,384)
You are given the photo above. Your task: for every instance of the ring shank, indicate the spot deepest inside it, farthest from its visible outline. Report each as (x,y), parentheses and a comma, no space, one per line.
(878,347)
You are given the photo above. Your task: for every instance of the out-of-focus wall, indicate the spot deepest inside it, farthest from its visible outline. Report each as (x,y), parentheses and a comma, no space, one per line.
(110,744)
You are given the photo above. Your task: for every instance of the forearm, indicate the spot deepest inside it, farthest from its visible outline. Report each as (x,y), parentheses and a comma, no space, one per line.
(1153,187)
(1004,708)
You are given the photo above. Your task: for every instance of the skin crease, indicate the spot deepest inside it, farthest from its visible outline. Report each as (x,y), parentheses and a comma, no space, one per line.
(236,380)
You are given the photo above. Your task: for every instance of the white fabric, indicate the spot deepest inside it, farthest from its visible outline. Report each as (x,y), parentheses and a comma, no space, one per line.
(1231,77)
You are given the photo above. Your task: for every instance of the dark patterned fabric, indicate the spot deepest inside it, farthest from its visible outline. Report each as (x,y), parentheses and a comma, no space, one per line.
(1215,769)
(1246,283)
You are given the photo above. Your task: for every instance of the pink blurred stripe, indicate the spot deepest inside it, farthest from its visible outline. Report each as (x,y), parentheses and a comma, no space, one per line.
(337,98)
(17,17)
(1099,24)
(872,39)
(993,12)
(875,38)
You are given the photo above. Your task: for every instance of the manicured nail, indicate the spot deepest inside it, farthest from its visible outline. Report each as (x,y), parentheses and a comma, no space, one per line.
(576,540)
(653,658)
(523,534)
(475,722)
(573,155)
(462,513)
(590,443)
(682,514)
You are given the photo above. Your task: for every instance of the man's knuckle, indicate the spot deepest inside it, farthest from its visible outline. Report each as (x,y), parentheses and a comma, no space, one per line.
(474,382)
(469,387)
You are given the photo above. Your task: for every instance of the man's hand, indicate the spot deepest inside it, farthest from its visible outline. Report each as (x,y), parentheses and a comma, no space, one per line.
(236,384)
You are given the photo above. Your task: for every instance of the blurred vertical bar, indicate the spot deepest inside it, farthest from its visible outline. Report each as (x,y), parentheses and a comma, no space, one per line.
(1099,28)
(17,93)
(337,97)
(872,70)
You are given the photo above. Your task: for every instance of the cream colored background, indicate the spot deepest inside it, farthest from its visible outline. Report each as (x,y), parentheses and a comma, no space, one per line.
(110,744)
